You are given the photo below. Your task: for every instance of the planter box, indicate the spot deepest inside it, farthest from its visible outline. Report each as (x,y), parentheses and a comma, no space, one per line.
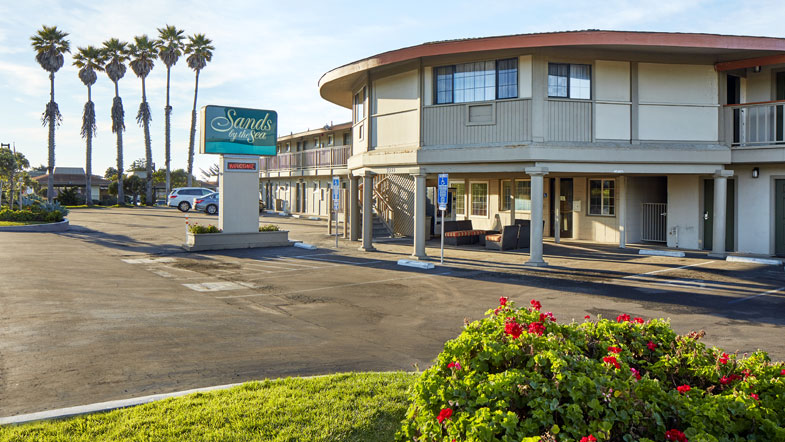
(223,241)
(62,226)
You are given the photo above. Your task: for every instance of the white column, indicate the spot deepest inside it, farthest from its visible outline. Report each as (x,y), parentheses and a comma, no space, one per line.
(513,195)
(354,208)
(419,216)
(622,199)
(535,249)
(367,212)
(720,198)
(556,210)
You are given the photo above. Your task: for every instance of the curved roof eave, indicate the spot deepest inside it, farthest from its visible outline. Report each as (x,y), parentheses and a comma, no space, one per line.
(335,85)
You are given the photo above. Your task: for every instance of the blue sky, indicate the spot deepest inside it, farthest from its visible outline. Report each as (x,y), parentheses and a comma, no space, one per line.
(271,55)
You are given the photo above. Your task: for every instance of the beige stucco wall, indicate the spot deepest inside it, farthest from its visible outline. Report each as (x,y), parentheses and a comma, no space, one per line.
(759,85)
(684,213)
(395,110)
(525,76)
(593,227)
(755,208)
(678,102)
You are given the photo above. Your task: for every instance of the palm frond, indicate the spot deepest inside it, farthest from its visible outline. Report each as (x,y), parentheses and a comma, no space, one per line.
(143,116)
(88,120)
(52,113)
(118,115)
(143,54)
(88,75)
(200,49)
(170,44)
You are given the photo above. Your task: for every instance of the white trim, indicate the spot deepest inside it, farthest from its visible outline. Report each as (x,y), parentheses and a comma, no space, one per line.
(588,196)
(487,199)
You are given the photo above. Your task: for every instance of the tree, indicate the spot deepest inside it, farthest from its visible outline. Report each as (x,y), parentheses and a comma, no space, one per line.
(12,164)
(170,48)
(50,45)
(200,53)
(110,174)
(143,53)
(116,54)
(212,171)
(40,168)
(178,177)
(137,166)
(89,60)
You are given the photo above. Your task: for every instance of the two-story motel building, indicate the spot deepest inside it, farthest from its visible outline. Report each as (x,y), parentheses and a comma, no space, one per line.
(613,137)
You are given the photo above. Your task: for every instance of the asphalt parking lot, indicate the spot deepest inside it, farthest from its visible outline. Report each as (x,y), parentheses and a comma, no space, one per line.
(114,308)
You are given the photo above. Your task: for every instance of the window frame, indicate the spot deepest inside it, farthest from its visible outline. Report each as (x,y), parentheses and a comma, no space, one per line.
(452,72)
(358,106)
(502,208)
(470,205)
(589,66)
(455,206)
(602,202)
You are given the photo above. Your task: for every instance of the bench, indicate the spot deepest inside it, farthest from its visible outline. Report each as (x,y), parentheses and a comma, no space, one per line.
(508,239)
(457,233)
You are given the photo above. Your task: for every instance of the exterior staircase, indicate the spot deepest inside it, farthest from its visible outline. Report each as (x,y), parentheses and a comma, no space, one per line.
(380,229)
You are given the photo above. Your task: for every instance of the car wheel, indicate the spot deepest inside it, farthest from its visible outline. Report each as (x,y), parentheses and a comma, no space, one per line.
(212,209)
(184,206)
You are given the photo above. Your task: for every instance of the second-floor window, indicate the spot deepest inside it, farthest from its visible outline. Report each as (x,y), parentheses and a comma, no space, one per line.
(347,139)
(569,81)
(359,106)
(477,81)
(330,140)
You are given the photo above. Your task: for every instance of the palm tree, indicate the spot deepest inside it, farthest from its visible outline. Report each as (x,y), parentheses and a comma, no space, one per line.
(143,51)
(50,45)
(170,48)
(89,60)
(116,53)
(200,52)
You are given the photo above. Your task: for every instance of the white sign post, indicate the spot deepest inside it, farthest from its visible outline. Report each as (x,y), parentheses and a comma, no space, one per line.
(442,200)
(336,202)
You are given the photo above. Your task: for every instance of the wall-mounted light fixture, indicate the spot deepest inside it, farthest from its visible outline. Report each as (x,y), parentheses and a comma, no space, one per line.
(755,172)
(756,69)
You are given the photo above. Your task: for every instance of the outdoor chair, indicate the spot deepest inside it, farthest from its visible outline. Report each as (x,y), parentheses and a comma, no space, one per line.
(506,240)
(524,236)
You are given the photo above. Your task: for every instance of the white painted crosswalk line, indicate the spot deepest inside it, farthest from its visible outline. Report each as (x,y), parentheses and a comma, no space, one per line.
(215,286)
(147,260)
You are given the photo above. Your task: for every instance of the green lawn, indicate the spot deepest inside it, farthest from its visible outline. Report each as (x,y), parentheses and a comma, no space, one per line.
(19,223)
(342,407)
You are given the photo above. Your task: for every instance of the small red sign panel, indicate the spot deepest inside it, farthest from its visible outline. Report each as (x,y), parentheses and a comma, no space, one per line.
(240,166)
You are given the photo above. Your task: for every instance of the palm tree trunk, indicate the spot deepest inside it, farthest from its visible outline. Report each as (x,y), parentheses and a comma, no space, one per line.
(89,160)
(120,193)
(148,151)
(193,134)
(167,130)
(50,182)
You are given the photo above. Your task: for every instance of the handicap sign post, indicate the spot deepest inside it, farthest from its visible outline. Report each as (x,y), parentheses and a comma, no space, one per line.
(336,201)
(442,201)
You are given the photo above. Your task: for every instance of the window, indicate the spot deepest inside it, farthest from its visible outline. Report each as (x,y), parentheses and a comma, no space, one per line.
(477,81)
(298,146)
(288,147)
(601,197)
(347,139)
(330,140)
(479,199)
(460,198)
(316,143)
(569,81)
(523,200)
(359,106)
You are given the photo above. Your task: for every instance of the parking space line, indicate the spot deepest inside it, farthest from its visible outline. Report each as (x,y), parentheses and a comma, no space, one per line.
(333,287)
(668,270)
(147,260)
(770,292)
(345,262)
(216,286)
(265,266)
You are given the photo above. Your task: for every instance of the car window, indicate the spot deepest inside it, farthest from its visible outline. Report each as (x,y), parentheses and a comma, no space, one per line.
(189,192)
(206,191)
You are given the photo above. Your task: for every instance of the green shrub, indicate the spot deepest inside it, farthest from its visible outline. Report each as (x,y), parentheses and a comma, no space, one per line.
(196,229)
(31,215)
(269,228)
(517,374)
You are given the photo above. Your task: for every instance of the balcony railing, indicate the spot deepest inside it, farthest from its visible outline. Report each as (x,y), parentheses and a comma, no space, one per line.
(326,157)
(757,124)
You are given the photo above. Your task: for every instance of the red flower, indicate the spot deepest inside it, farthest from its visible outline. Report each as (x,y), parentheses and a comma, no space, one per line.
(676,435)
(623,318)
(636,373)
(589,317)
(724,380)
(683,388)
(616,350)
(456,365)
(651,345)
(502,301)
(589,438)
(535,304)
(536,328)
(638,320)
(754,396)
(513,329)
(547,315)
(782,373)
(746,373)
(724,359)
(611,360)
(497,310)
(444,414)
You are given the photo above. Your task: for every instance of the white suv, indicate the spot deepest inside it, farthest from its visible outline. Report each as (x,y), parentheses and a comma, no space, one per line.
(182,197)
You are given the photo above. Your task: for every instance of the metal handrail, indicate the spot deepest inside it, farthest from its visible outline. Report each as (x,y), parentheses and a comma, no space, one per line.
(756,124)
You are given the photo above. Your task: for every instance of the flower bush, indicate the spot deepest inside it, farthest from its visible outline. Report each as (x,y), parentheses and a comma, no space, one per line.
(600,380)
(38,211)
(269,228)
(197,228)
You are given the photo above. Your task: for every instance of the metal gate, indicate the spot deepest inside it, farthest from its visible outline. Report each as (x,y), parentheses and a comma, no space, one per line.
(654,222)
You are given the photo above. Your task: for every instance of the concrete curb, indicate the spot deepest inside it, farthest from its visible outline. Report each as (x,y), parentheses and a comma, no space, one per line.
(661,253)
(62,226)
(767,261)
(416,264)
(302,245)
(103,406)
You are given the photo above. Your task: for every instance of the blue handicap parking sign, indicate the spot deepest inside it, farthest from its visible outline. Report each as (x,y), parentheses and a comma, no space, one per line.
(442,191)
